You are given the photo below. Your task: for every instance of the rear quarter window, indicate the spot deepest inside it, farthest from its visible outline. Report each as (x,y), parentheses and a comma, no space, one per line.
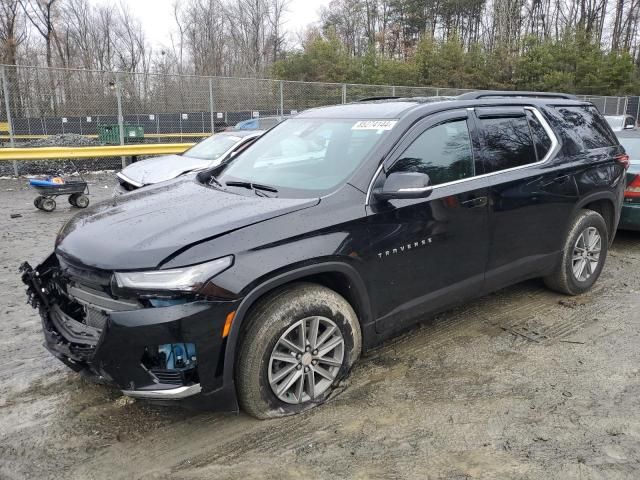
(585,129)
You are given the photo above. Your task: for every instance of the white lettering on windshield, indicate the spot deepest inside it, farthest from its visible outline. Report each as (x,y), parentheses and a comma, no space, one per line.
(374,125)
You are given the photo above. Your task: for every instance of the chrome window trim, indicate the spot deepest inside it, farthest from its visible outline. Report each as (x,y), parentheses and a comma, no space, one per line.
(375,177)
(415,189)
(553,150)
(555,144)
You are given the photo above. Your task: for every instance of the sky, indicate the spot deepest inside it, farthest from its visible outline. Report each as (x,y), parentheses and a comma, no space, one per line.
(157,16)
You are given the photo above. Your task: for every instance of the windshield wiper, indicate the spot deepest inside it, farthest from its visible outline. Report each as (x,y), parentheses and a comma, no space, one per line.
(213,179)
(256,187)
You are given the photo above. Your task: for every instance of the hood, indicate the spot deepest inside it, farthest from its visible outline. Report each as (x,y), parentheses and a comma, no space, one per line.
(142,229)
(159,169)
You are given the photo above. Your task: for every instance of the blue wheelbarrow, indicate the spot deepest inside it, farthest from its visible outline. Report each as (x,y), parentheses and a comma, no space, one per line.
(52,187)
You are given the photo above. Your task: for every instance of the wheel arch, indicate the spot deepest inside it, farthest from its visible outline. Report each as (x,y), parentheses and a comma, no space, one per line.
(605,204)
(338,276)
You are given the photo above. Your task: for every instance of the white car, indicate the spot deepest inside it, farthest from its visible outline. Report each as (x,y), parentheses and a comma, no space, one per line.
(621,122)
(206,154)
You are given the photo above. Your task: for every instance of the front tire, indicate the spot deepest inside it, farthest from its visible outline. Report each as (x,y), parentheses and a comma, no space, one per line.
(47,204)
(583,255)
(299,343)
(81,201)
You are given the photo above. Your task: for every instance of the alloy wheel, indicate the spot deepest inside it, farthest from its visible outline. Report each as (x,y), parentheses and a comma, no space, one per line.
(586,254)
(306,360)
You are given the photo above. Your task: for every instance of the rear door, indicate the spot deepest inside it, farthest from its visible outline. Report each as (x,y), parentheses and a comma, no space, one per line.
(430,253)
(531,197)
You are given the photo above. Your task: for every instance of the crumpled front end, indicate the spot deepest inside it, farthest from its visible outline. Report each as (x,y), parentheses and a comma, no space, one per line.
(154,348)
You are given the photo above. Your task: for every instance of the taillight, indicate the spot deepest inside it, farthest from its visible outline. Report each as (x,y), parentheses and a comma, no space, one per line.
(633,189)
(623,159)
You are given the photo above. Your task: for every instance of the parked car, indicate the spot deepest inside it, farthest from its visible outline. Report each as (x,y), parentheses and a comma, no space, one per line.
(210,152)
(258,123)
(263,280)
(621,122)
(630,215)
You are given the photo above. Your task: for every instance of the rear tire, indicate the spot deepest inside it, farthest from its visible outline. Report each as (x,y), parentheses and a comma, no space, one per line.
(583,255)
(272,354)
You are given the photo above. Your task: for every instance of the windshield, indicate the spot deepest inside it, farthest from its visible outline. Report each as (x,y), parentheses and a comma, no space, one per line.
(307,154)
(212,148)
(616,123)
(632,147)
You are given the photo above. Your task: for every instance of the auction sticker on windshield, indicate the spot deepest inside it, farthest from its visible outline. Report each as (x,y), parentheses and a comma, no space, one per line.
(374,125)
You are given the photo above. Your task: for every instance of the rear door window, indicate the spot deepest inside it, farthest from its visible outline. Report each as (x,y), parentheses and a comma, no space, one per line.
(507,142)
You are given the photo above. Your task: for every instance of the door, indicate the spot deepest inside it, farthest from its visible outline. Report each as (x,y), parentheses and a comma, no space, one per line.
(429,253)
(531,193)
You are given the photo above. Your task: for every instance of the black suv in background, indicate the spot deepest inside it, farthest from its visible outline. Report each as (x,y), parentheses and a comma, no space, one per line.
(263,280)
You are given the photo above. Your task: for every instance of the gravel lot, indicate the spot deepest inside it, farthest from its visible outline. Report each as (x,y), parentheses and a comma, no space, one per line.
(519,384)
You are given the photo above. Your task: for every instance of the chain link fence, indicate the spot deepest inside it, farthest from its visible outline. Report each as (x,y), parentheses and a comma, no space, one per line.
(42,106)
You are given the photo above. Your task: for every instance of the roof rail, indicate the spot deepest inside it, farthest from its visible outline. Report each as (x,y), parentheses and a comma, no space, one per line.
(370,99)
(507,93)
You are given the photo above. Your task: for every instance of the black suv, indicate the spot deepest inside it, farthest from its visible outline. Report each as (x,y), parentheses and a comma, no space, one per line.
(261,282)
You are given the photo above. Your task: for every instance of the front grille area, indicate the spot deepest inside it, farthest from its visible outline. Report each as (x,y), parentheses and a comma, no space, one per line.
(172,363)
(172,377)
(83,295)
(95,318)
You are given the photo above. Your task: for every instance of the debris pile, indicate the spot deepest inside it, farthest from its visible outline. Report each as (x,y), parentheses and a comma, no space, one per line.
(61,140)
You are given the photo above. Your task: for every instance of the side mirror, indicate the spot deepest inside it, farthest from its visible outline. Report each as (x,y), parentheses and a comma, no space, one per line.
(404,185)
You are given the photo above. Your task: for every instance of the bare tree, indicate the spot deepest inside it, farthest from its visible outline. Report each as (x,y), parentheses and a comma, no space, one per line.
(41,14)
(12,30)
(12,34)
(277,9)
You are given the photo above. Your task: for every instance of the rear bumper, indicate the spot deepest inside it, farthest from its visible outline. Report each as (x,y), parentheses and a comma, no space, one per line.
(114,353)
(630,216)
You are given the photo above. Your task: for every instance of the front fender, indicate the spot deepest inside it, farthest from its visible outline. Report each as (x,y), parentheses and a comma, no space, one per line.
(282,278)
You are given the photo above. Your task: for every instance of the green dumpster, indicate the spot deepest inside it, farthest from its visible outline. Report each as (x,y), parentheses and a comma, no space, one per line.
(110,134)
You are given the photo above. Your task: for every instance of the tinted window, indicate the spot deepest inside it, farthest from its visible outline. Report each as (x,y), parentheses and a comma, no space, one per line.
(587,128)
(541,140)
(629,122)
(507,143)
(443,152)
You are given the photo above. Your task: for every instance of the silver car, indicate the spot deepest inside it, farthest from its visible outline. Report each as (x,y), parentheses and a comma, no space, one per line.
(206,154)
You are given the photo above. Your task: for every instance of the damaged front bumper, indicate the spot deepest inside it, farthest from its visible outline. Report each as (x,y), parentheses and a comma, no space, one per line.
(112,338)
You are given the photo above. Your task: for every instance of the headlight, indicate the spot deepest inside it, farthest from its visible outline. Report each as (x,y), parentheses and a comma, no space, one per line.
(184,279)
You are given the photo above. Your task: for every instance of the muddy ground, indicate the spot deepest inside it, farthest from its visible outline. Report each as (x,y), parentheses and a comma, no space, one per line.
(520,384)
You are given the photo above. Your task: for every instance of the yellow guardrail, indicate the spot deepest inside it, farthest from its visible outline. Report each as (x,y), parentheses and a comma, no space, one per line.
(4,126)
(146,135)
(60,153)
